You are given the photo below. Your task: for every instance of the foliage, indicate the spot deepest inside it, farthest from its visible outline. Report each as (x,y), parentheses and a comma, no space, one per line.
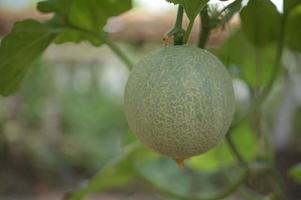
(295,173)
(192,7)
(73,21)
(221,156)
(252,53)
(248,58)
(19,49)
(293,33)
(260,22)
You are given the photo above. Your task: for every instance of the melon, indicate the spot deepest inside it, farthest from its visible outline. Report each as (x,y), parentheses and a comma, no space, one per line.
(179,101)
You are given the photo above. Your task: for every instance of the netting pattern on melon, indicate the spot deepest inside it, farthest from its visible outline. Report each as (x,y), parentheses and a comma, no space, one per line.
(179,101)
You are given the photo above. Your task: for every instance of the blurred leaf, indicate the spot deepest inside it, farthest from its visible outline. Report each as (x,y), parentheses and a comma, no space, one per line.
(166,177)
(26,42)
(237,51)
(116,173)
(290,4)
(293,29)
(93,14)
(57,6)
(210,162)
(39,80)
(164,174)
(72,35)
(90,15)
(260,22)
(295,173)
(221,156)
(246,141)
(192,7)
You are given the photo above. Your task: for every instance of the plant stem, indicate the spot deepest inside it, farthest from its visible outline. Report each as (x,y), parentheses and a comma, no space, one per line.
(232,8)
(235,152)
(276,178)
(276,67)
(177,32)
(277,61)
(188,31)
(119,53)
(205,28)
(179,20)
(107,41)
(258,114)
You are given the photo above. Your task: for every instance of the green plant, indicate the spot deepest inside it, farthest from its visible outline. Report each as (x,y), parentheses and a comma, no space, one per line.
(256,50)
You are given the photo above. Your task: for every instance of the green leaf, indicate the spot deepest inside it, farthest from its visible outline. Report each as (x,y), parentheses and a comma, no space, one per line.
(295,173)
(90,15)
(57,6)
(246,141)
(293,29)
(76,36)
(260,22)
(116,173)
(239,52)
(192,7)
(93,14)
(290,4)
(163,174)
(166,177)
(19,49)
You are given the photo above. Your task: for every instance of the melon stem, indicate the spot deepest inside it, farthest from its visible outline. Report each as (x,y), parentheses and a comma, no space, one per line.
(180,162)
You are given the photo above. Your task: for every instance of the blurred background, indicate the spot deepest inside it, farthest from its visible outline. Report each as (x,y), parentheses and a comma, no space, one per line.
(67,121)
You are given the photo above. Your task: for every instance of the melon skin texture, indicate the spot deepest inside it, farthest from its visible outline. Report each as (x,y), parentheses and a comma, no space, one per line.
(179,101)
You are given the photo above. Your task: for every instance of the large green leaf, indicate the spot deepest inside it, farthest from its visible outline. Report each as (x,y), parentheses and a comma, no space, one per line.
(58,6)
(19,49)
(192,7)
(89,15)
(290,4)
(293,29)
(239,52)
(93,14)
(116,173)
(77,36)
(260,22)
(166,177)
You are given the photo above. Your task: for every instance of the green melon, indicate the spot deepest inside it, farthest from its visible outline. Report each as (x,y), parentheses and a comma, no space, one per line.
(179,101)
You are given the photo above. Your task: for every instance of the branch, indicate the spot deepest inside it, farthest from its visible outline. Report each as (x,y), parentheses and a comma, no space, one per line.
(277,61)
(205,28)
(188,31)
(276,66)
(231,9)
(208,24)
(119,53)
(179,20)
(178,32)
(236,153)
